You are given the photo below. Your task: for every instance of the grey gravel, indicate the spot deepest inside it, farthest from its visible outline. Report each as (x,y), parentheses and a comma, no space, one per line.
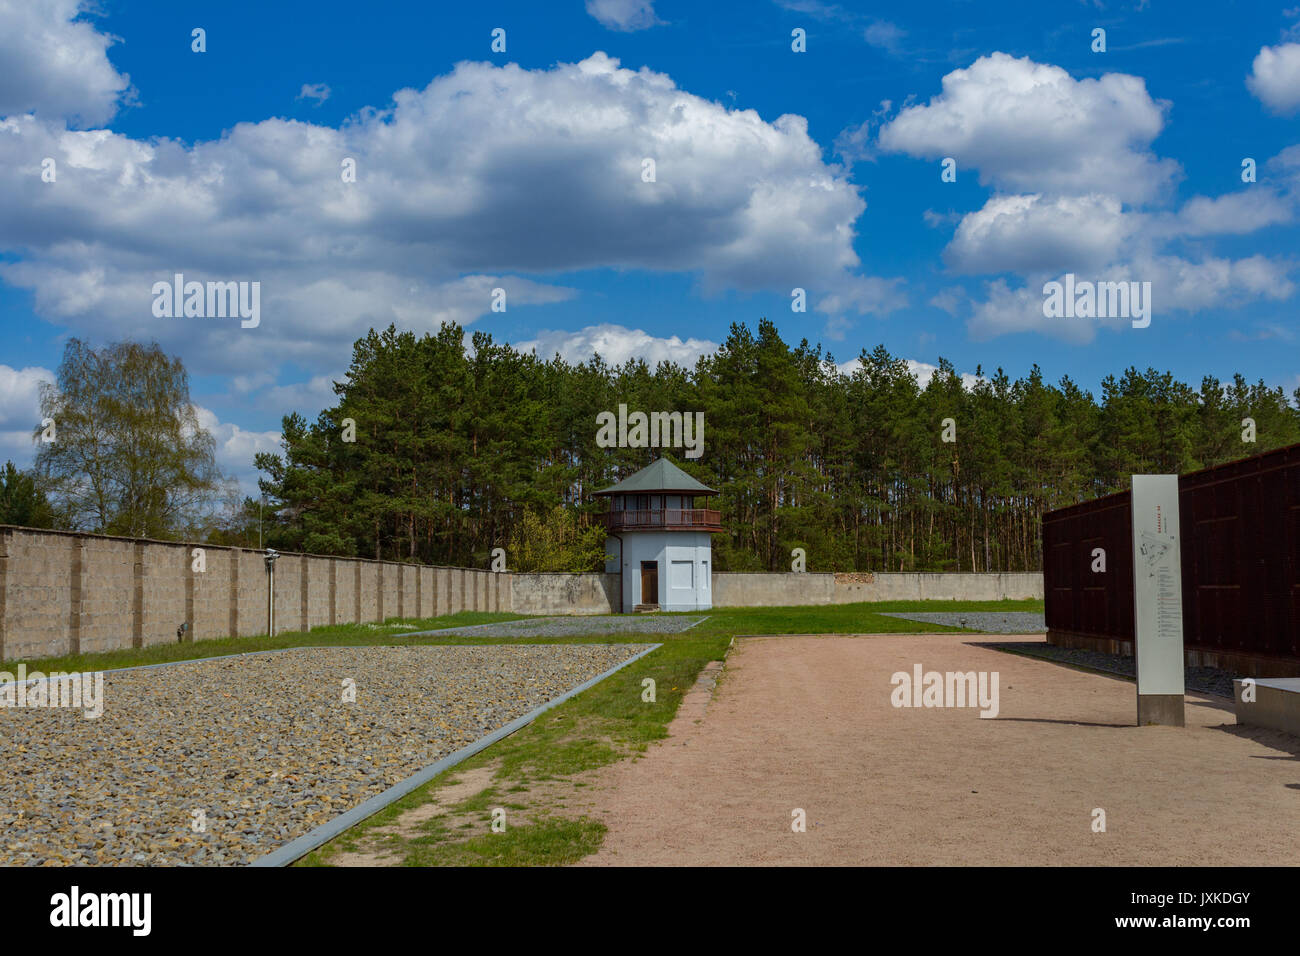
(573,626)
(1205,680)
(263,745)
(991,622)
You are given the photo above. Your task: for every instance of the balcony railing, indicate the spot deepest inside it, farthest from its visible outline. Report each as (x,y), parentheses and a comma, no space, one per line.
(666,519)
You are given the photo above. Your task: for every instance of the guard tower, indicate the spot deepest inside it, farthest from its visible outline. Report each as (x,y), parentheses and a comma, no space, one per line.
(659,541)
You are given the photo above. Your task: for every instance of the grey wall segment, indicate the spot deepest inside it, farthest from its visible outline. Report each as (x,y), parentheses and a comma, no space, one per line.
(61,592)
(563,593)
(760,589)
(67,592)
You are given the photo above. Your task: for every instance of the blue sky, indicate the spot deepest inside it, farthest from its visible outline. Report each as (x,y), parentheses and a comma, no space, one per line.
(522,170)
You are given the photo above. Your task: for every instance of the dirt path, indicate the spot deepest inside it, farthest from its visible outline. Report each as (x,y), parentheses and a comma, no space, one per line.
(807,722)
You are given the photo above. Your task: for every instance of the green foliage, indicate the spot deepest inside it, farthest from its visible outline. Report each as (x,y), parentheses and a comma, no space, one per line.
(129,455)
(22,502)
(460,451)
(555,542)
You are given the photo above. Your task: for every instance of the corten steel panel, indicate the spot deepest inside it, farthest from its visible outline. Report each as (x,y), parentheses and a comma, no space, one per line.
(1078,599)
(1240,559)
(1241,593)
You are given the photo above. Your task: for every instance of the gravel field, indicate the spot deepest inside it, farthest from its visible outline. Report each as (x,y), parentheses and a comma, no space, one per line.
(993,622)
(262,745)
(572,626)
(1207,680)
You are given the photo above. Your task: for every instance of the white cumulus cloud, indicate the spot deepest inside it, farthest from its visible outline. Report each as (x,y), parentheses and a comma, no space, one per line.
(616,344)
(20,411)
(1031,127)
(319,92)
(1275,77)
(921,371)
(1078,190)
(235,448)
(626,16)
(1029,233)
(56,66)
(490,177)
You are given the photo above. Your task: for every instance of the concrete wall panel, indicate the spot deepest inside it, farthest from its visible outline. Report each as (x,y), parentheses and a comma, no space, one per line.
(60,592)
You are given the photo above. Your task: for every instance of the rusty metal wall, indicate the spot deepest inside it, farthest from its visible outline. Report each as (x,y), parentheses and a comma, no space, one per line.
(1077,599)
(1240,527)
(1241,555)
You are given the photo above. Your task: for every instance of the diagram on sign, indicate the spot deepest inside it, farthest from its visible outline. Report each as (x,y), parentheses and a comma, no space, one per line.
(1153,549)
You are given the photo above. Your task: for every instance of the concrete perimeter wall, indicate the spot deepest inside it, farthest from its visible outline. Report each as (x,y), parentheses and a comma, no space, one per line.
(762,589)
(564,593)
(599,593)
(71,593)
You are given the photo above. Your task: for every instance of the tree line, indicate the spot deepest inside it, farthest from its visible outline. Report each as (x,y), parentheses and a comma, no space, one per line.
(455,448)
(438,453)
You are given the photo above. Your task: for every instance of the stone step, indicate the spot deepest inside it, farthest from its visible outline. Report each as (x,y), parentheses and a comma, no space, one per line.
(1272,702)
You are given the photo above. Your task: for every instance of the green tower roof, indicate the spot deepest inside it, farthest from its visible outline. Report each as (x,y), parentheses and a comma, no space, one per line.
(661,475)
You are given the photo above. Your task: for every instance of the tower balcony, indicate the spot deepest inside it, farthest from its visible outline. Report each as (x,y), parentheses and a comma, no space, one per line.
(664,519)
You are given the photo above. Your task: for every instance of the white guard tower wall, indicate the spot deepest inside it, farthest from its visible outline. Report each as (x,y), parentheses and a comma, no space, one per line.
(659,541)
(684,566)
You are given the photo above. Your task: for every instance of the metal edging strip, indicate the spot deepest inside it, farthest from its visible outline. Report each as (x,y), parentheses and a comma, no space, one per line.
(455,631)
(309,841)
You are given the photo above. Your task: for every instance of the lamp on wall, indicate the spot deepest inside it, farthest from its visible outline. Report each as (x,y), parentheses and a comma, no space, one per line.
(271,555)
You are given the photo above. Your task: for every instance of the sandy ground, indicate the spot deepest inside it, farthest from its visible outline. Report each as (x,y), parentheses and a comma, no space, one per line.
(807,722)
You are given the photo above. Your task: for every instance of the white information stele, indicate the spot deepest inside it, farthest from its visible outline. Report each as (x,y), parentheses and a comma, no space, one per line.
(1157,585)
